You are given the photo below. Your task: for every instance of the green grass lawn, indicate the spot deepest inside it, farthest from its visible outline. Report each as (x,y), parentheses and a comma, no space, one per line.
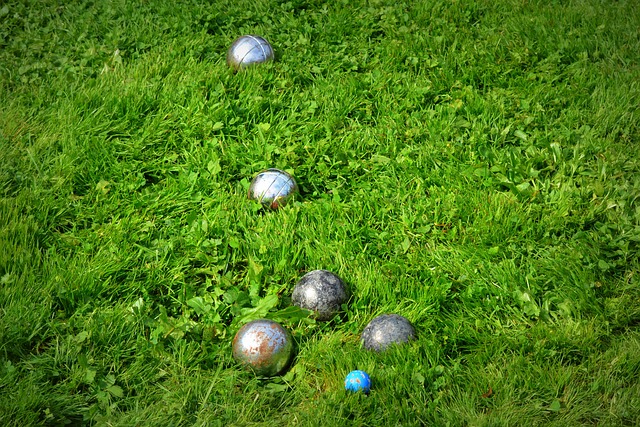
(470,165)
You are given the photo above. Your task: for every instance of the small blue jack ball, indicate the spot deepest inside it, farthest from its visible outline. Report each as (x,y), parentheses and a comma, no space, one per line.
(358,381)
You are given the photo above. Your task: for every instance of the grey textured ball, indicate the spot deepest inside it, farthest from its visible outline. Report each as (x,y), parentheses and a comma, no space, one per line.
(273,188)
(248,50)
(385,330)
(263,346)
(321,292)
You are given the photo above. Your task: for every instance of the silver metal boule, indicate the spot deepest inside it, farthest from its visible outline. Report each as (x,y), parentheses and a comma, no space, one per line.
(321,292)
(263,346)
(273,188)
(248,50)
(385,330)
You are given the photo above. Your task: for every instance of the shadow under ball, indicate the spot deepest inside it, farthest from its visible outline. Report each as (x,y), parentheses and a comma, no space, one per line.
(248,50)
(263,346)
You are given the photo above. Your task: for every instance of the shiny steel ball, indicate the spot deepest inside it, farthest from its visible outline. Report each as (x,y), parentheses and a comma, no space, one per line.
(358,381)
(263,346)
(385,330)
(320,291)
(273,188)
(248,50)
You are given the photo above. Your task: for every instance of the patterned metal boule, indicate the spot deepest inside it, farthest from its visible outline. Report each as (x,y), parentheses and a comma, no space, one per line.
(385,330)
(263,346)
(273,188)
(248,50)
(320,291)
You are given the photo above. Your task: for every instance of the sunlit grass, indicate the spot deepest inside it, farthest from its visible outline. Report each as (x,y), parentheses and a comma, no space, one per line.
(470,165)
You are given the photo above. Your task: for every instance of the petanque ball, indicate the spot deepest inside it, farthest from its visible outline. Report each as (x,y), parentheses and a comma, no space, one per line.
(273,188)
(263,346)
(385,330)
(320,291)
(248,50)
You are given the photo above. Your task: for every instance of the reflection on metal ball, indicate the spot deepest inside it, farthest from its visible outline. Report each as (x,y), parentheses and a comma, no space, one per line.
(248,50)
(263,346)
(273,188)
(320,291)
(385,330)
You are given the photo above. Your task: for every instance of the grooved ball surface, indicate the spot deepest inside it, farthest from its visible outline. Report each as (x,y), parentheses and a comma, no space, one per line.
(273,188)
(249,50)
